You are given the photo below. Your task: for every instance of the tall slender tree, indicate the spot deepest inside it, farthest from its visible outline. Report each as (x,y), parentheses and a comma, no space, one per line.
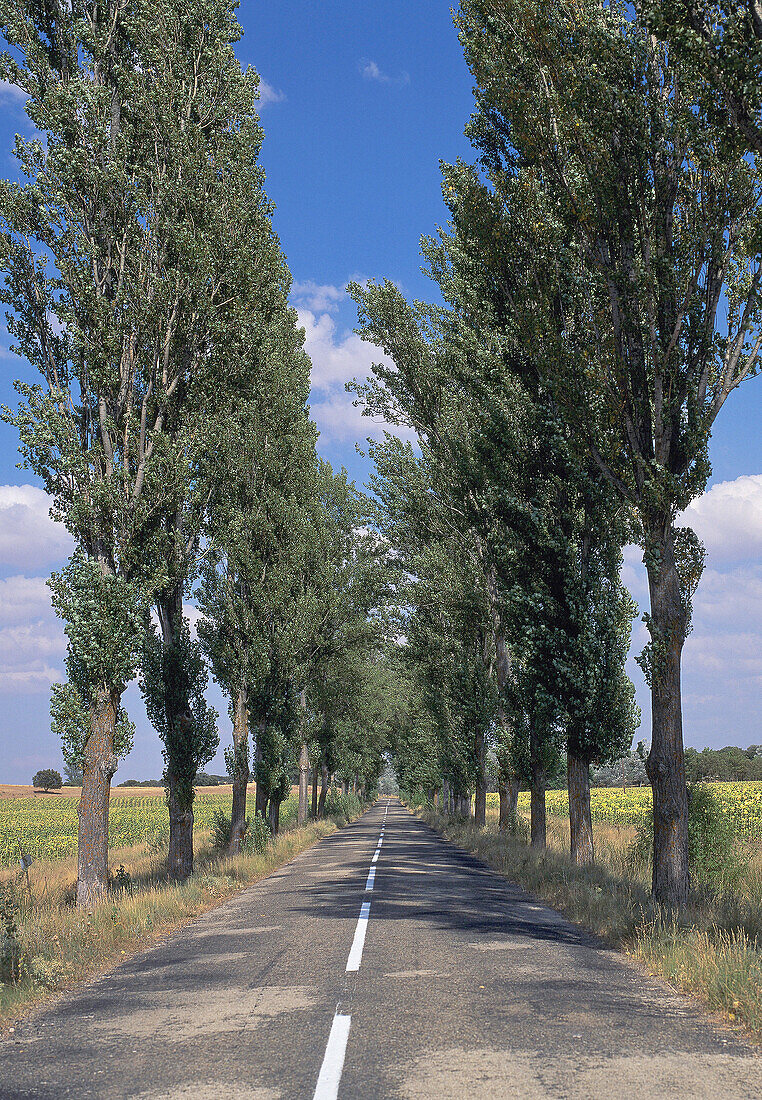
(117,259)
(257,533)
(626,147)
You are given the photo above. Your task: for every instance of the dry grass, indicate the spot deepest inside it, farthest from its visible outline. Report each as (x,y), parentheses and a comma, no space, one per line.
(62,945)
(713,950)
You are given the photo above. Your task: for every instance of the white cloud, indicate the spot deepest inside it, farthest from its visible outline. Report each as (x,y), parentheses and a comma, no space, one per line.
(29,538)
(728,519)
(268,94)
(340,422)
(371,71)
(32,641)
(318,298)
(725,660)
(337,357)
(22,599)
(11,93)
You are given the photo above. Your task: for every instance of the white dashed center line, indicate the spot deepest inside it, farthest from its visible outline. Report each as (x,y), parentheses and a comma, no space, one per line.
(333,1062)
(355,953)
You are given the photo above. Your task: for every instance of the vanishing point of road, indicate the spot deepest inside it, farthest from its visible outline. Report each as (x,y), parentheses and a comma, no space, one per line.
(383,962)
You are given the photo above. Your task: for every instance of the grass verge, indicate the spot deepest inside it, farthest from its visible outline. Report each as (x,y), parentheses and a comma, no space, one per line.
(61,945)
(711,950)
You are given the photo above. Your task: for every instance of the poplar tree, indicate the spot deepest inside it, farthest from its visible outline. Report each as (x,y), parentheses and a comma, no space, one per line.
(626,147)
(722,40)
(257,532)
(115,254)
(344,592)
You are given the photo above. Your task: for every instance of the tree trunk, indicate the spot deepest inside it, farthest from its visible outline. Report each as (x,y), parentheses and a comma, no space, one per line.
(538,827)
(345,787)
(509,798)
(274,815)
(180,855)
(323,788)
(304,777)
(580,821)
(240,771)
(260,803)
(315,773)
(99,765)
(480,797)
(445,796)
(666,760)
(178,737)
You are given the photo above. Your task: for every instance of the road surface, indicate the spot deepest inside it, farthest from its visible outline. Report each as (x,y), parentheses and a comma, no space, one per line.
(383,962)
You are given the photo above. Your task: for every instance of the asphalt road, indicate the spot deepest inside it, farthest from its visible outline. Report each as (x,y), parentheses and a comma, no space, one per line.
(431,977)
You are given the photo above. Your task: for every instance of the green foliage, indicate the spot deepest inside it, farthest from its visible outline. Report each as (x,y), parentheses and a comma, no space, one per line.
(257,835)
(255,839)
(222,825)
(47,779)
(343,808)
(11,955)
(73,773)
(103,613)
(721,41)
(712,850)
(120,881)
(173,681)
(70,720)
(729,763)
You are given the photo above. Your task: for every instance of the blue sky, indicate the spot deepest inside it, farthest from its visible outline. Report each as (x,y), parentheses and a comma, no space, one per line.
(359,104)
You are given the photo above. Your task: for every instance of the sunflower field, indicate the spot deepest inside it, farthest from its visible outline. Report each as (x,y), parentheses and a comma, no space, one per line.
(47,829)
(741,802)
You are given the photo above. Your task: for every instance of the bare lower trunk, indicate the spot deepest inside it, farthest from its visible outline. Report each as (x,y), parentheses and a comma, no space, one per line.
(274,815)
(180,855)
(666,761)
(304,779)
(240,771)
(345,788)
(580,821)
(537,828)
(315,773)
(324,778)
(445,797)
(179,736)
(99,765)
(480,797)
(260,803)
(509,798)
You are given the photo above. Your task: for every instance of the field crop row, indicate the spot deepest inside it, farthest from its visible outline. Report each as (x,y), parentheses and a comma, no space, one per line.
(47,829)
(741,802)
